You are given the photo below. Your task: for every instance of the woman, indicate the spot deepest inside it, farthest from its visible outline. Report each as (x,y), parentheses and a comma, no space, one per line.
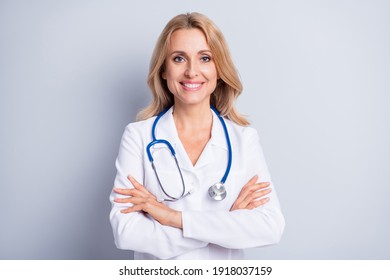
(167,210)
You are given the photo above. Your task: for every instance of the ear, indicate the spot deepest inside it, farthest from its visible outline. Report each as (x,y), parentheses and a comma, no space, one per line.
(164,75)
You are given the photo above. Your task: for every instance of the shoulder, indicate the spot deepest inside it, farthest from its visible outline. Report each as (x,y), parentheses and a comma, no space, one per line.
(140,125)
(139,130)
(241,132)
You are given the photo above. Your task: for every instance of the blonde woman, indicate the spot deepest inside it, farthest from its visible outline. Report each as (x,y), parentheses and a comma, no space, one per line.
(192,182)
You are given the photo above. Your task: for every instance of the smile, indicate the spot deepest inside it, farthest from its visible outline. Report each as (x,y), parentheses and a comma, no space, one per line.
(191,86)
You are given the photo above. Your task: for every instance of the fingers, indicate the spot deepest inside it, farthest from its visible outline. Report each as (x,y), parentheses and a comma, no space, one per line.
(250,188)
(255,187)
(134,182)
(252,195)
(135,208)
(134,196)
(138,191)
(257,203)
(139,186)
(252,181)
(130,192)
(131,199)
(139,204)
(246,190)
(250,203)
(255,195)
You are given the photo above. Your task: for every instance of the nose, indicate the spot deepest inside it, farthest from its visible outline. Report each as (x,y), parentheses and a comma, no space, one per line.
(191,70)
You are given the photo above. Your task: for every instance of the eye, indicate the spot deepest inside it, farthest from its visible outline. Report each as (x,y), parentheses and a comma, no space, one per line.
(206,58)
(178,59)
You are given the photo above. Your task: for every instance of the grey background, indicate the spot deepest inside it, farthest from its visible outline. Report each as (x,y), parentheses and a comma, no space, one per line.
(316,79)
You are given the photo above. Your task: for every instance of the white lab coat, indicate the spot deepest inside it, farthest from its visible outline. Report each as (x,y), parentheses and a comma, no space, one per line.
(210,230)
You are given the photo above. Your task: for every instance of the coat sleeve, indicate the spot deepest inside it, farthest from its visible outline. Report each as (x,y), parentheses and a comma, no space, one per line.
(138,231)
(241,229)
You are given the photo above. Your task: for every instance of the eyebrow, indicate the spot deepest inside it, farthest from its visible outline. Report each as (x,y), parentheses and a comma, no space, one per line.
(183,52)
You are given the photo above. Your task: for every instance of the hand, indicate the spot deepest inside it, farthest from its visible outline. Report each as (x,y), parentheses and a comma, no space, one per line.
(144,201)
(250,194)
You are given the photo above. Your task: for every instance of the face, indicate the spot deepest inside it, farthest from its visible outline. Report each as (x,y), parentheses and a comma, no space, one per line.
(190,71)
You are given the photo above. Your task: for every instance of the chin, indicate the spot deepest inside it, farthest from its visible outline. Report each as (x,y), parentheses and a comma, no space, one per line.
(193,100)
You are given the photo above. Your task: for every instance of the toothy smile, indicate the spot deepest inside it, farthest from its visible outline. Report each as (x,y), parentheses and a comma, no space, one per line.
(192,86)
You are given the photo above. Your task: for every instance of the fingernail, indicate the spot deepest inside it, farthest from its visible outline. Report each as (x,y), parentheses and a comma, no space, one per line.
(130,177)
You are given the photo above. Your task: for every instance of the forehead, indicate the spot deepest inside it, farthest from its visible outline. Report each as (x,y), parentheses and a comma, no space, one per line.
(188,40)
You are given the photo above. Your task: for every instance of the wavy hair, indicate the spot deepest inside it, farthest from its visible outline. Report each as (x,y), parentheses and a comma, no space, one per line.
(228,87)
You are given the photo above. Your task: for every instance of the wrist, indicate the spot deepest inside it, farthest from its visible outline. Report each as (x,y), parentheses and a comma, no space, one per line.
(176,219)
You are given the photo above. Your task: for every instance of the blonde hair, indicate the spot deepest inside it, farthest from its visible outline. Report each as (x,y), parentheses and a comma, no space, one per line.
(228,87)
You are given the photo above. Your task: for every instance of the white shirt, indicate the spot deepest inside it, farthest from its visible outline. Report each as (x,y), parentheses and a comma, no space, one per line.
(210,230)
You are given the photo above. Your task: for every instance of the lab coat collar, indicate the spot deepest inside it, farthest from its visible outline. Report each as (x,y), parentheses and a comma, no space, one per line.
(218,137)
(166,129)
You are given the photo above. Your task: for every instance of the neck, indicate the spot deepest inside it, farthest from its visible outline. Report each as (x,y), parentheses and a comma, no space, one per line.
(192,117)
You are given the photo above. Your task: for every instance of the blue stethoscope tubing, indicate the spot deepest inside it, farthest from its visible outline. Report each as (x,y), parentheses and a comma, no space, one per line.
(216,191)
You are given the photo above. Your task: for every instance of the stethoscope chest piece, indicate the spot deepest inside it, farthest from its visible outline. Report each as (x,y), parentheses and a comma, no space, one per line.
(217,191)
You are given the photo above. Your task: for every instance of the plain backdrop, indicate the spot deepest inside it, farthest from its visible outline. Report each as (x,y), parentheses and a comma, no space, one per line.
(316,78)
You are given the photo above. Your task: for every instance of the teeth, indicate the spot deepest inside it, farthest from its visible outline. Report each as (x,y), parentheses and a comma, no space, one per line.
(192,85)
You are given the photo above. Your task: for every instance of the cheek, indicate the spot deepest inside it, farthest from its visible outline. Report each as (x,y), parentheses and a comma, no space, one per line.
(172,83)
(170,77)
(172,73)
(212,78)
(211,74)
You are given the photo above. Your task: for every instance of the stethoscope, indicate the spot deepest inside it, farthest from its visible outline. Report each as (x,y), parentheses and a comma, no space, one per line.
(216,191)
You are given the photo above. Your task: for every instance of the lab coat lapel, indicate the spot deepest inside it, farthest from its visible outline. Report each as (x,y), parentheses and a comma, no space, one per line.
(217,141)
(218,137)
(166,130)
